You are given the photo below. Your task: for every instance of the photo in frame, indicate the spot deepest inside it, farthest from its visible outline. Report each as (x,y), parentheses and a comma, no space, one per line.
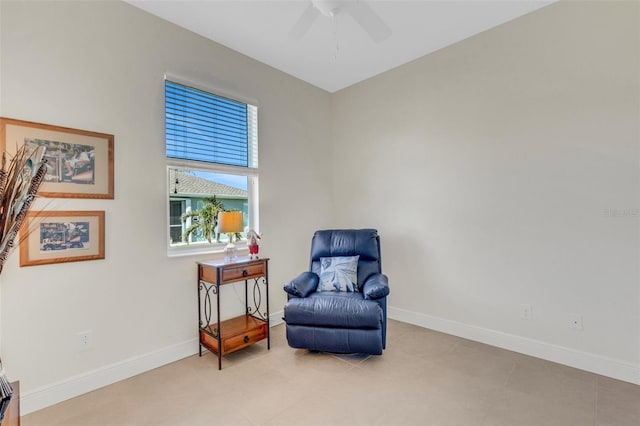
(79,162)
(61,236)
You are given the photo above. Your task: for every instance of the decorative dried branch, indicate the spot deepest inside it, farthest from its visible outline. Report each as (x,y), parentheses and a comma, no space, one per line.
(18,187)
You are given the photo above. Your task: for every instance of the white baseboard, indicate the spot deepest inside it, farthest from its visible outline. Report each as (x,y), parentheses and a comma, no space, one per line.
(77,385)
(275,318)
(45,396)
(598,364)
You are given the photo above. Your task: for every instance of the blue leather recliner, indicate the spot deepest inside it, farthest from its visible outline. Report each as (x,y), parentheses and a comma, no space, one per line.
(339,321)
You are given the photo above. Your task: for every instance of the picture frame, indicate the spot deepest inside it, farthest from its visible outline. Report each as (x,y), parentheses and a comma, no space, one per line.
(61,236)
(79,162)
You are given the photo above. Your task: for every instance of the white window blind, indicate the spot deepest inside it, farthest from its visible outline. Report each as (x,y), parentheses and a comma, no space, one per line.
(201,126)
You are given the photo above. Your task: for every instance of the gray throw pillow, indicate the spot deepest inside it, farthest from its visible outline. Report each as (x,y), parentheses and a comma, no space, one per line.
(338,273)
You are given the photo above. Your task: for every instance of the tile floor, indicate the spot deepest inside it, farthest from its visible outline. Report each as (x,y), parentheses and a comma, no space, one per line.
(423,378)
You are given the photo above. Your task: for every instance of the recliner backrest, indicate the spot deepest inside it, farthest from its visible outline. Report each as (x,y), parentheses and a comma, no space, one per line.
(348,242)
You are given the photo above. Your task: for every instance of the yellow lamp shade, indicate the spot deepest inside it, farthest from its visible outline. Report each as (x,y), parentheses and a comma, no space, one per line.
(230,222)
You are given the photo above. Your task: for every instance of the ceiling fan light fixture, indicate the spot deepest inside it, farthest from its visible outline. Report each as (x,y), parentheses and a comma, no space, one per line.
(329,8)
(359,10)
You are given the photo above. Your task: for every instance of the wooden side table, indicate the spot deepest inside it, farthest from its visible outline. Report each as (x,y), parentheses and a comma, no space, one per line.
(224,337)
(12,415)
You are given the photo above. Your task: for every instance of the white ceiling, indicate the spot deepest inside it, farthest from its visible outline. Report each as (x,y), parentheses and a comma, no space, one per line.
(336,52)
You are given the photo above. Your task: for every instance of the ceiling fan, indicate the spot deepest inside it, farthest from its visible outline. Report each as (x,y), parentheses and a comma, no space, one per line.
(360,11)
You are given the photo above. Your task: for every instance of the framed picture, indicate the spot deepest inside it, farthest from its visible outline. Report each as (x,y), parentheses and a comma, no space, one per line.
(79,162)
(61,236)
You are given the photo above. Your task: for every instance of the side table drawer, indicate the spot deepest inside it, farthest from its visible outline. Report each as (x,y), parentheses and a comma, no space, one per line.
(242,272)
(245,339)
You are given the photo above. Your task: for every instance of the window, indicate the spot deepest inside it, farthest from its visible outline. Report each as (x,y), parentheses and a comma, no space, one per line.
(212,165)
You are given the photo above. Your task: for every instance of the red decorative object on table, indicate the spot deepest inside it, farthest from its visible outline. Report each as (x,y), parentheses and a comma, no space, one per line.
(254,247)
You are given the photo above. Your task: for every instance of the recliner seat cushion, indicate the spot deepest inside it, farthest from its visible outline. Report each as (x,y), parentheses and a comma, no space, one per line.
(336,340)
(331,309)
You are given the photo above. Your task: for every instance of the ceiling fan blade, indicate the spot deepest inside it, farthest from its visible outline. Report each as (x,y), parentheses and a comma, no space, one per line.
(305,21)
(368,20)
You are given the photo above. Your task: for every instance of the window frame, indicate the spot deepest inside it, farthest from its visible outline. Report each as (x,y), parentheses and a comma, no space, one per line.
(250,172)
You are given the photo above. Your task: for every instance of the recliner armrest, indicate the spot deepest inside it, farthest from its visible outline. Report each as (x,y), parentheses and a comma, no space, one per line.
(376,287)
(302,285)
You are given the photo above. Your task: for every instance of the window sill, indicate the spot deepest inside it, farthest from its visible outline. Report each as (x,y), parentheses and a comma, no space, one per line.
(216,250)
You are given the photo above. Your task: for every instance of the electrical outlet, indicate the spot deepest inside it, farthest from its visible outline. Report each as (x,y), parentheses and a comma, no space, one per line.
(575,321)
(85,340)
(526,312)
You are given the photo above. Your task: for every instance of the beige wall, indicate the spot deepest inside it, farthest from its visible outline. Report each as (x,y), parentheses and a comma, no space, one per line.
(490,168)
(99,66)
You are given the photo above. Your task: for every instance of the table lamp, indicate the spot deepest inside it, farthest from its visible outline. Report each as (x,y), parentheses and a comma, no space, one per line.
(230,223)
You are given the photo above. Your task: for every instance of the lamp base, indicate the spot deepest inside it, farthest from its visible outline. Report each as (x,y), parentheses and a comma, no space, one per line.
(230,252)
